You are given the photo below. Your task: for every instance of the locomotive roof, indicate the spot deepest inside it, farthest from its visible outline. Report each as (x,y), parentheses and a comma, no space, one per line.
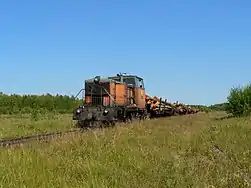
(127,76)
(110,79)
(104,80)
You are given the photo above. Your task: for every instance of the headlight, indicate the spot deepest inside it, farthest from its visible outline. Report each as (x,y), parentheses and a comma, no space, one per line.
(105,112)
(78,111)
(97,79)
(81,106)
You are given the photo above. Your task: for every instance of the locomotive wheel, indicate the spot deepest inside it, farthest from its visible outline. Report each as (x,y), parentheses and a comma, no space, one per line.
(89,124)
(112,124)
(107,124)
(148,117)
(82,124)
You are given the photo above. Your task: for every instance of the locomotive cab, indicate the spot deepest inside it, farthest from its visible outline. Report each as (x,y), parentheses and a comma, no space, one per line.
(135,87)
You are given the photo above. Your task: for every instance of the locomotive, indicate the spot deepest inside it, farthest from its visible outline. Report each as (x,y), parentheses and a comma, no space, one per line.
(119,98)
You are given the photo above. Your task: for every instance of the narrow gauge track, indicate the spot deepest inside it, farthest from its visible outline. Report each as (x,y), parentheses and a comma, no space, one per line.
(16,141)
(10,142)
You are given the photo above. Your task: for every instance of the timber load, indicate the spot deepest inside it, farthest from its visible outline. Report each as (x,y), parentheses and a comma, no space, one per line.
(159,107)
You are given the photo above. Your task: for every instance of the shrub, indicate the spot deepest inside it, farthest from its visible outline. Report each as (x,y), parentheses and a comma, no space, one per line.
(239,101)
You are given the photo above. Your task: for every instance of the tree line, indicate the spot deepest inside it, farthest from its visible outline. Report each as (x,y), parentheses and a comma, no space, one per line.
(13,104)
(19,104)
(238,103)
(214,107)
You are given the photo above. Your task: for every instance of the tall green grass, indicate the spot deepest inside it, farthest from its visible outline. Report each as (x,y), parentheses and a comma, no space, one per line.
(239,101)
(172,152)
(34,123)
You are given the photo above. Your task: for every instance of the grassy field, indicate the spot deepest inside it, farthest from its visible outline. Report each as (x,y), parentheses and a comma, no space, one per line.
(174,152)
(21,125)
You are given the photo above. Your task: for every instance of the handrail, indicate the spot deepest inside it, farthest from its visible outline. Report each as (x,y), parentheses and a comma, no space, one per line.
(106,92)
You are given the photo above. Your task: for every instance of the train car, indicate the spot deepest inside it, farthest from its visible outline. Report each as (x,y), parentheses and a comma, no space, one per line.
(112,99)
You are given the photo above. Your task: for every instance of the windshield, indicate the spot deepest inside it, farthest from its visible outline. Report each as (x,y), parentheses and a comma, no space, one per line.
(129,81)
(116,79)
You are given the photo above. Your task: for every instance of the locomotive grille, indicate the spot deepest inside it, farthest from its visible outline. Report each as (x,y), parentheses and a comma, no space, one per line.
(97,94)
(96,100)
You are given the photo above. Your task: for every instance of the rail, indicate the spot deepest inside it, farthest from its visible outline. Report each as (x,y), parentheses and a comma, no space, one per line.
(16,141)
(39,137)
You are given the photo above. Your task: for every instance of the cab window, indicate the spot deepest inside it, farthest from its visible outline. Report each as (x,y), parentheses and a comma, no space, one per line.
(115,78)
(139,83)
(129,81)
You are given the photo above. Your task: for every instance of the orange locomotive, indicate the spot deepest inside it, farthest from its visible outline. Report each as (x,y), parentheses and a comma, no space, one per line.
(112,99)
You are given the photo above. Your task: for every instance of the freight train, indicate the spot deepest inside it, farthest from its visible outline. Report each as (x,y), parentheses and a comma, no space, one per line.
(121,98)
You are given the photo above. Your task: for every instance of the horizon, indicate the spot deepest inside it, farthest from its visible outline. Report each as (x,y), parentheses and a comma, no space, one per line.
(200,49)
(80,98)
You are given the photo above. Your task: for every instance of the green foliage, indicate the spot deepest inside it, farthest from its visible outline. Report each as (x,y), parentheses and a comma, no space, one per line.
(201,108)
(214,107)
(239,101)
(14,104)
(218,107)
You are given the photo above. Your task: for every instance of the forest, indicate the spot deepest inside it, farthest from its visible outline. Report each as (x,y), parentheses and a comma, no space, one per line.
(13,104)
(16,104)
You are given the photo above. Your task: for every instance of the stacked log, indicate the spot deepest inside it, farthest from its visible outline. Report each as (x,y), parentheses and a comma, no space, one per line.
(157,106)
(183,109)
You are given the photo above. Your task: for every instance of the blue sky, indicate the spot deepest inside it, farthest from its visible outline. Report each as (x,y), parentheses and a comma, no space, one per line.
(191,51)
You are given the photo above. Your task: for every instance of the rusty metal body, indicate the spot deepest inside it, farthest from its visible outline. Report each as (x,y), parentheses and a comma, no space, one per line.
(112,99)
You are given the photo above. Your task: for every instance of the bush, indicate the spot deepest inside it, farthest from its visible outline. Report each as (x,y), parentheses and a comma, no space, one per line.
(239,101)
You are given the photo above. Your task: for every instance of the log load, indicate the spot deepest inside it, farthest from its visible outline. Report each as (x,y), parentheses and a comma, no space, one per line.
(159,107)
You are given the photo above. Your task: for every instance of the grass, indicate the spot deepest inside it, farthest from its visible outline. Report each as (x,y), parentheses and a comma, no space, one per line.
(174,152)
(26,124)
